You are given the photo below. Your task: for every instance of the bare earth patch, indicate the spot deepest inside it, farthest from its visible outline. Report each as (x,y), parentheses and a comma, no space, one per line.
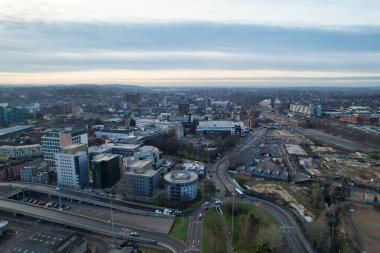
(365,226)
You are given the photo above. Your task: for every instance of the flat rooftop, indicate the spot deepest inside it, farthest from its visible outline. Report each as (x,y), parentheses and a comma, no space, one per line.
(146,173)
(181,176)
(140,163)
(14,129)
(219,123)
(104,157)
(123,146)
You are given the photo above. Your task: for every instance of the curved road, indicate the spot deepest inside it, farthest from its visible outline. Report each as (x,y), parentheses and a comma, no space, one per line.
(87,223)
(292,233)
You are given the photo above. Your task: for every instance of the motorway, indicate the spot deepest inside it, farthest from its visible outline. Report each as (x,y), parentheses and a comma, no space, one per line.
(87,223)
(292,233)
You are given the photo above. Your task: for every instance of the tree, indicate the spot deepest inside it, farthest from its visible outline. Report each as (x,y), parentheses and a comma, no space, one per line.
(132,122)
(271,236)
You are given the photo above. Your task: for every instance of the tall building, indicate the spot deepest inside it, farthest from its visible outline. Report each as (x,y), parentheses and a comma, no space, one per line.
(9,116)
(106,169)
(53,141)
(183,108)
(72,166)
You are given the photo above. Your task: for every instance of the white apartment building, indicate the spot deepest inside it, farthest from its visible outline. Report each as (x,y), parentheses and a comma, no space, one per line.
(72,167)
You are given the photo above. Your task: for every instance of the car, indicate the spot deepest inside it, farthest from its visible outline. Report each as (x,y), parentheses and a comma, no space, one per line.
(60,209)
(35,201)
(67,207)
(158,212)
(56,205)
(134,233)
(218,202)
(167,210)
(30,200)
(200,216)
(178,213)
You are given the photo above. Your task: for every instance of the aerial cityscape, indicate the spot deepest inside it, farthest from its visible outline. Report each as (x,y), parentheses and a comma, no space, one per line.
(189,126)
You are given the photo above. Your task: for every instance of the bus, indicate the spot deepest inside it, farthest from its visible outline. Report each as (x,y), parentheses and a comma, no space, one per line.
(239,192)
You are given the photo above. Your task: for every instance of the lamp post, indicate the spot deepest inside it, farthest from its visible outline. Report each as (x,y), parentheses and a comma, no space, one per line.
(58,189)
(232,217)
(112,224)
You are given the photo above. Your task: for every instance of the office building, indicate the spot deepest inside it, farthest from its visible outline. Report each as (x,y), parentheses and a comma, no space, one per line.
(31,174)
(105,169)
(181,185)
(183,108)
(10,116)
(141,180)
(54,140)
(161,126)
(150,153)
(72,166)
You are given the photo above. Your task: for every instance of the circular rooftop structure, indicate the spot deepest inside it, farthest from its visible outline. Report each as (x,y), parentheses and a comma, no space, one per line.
(181,176)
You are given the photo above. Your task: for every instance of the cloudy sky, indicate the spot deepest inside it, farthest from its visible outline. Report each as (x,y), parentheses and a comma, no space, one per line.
(193,42)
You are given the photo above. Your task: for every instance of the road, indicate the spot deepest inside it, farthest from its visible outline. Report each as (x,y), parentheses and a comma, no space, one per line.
(292,233)
(87,223)
(91,198)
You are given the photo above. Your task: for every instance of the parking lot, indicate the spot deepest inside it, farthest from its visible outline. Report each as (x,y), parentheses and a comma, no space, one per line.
(152,223)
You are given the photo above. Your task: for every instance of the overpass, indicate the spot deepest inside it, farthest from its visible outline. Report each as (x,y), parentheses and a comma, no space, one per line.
(96,200)
(89,224)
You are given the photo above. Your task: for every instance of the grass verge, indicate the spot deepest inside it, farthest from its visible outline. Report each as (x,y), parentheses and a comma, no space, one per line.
(212,238)
(179,228)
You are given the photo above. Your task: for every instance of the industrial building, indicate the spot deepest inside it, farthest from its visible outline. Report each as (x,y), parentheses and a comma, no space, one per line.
(181,185)
(223,127)
(312,110)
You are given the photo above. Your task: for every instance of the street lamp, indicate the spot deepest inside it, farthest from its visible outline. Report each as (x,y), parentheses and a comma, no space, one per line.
(112,223)
(232,217)
(59,195)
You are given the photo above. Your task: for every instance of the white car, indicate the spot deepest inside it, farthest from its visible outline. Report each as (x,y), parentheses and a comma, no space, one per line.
(158,212)
(134,233)
(218,202)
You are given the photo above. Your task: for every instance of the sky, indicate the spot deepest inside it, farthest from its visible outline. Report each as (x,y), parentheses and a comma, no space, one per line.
(193,43)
